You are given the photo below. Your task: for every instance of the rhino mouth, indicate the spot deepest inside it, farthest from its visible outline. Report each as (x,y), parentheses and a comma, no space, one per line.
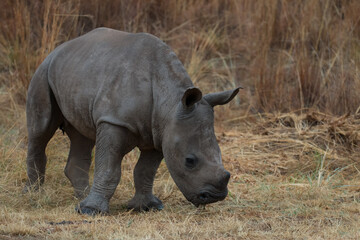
(209,195)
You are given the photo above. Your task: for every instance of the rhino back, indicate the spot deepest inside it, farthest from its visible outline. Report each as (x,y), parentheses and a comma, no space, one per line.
(106,76)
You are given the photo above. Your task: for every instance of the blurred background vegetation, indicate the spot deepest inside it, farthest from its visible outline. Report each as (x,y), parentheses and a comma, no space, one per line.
(288,55)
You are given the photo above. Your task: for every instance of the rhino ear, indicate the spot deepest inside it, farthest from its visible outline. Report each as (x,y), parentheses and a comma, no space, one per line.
(191,96)
(221,98)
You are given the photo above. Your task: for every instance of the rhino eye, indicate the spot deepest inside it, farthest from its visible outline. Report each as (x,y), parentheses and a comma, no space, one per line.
(191,161)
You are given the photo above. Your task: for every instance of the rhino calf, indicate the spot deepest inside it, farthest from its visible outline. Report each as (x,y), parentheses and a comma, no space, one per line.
(118,91)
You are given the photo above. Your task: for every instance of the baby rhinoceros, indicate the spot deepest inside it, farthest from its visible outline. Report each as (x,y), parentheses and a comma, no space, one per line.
(118,91)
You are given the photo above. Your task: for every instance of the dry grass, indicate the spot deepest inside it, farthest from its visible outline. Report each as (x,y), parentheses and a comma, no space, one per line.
(295,173)
(287,54)
(293,177)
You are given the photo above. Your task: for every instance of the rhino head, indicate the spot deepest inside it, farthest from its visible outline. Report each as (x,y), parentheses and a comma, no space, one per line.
(191,150)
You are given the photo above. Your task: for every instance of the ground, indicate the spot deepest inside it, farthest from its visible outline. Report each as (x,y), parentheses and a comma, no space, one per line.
(293,176)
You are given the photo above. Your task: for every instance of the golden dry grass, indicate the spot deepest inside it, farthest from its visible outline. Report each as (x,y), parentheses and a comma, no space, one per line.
(295,173)
(293,177)
(287,54)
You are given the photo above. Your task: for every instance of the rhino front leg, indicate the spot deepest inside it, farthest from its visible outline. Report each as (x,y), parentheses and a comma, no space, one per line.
(79,160)
(144,175)
(112,143)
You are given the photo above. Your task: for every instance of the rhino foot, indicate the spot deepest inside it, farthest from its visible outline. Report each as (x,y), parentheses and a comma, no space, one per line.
(87,210)
(31,187)
(145,203)
(93,205)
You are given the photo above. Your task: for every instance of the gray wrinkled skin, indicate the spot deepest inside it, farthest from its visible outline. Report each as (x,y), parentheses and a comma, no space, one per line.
(117,91)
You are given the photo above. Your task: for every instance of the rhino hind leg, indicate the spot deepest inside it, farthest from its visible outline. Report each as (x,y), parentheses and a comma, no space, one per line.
(79,161)
(43,118)
(112,143)
(144,175)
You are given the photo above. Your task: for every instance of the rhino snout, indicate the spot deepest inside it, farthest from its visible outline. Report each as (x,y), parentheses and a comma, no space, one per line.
(224,179)
(211,193)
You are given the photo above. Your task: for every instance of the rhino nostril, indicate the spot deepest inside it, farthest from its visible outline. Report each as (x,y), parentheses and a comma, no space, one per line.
(204,196)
